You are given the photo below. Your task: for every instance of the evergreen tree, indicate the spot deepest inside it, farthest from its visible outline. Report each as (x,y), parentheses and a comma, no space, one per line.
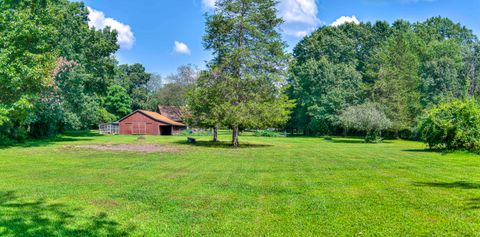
(250,59)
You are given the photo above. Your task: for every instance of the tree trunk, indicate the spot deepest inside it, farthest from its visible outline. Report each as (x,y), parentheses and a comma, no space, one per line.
(235,136)
(473,79)
(215,134)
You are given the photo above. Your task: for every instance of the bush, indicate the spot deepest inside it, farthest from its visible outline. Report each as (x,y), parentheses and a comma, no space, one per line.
(454,126)
(195,132)
(368,118)
(266,133)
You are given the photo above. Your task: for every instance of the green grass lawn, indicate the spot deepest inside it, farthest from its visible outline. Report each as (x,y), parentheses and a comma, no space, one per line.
(270,187)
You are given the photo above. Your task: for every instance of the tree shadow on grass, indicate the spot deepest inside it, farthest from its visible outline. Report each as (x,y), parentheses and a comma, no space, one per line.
(211,144)
(38,218)
(473,203)
(353,141)
(82,134)
(426,150)
(65,137)
(458,184)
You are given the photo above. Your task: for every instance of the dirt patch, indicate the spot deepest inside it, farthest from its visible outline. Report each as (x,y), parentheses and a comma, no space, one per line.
(147,148)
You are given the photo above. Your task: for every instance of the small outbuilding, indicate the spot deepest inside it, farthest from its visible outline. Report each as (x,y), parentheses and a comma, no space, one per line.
(142,122)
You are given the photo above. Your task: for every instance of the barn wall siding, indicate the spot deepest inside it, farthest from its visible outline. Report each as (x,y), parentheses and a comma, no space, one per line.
(127,125)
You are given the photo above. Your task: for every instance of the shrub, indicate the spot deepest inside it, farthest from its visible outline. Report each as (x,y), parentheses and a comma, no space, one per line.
(453,125)
(368,118)
(266,133)
(195,132)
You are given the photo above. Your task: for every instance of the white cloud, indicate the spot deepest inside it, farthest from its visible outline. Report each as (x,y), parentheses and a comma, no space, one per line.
(345,19)
(181,48)
(98,20)
(209,4)
(300,16)
(299,11)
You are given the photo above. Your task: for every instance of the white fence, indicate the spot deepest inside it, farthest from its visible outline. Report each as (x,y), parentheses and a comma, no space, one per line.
(109,128)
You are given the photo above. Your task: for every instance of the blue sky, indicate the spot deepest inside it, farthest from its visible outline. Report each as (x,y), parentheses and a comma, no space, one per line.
(163,34)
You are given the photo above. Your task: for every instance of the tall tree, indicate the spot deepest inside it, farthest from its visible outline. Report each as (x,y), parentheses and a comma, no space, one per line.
(135,79)
(397,81)
(117,101)
(442,72)
(323,90)
(249,55)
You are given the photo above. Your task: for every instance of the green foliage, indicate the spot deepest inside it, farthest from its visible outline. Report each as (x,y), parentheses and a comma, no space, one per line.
(395,68)
(453,125)
(118,102)
(322,90)
(135,79)
(191,132)
(403,67)
(368,118)
(442,72)
(266,133)
(176,88)
(245,77)
(55,71)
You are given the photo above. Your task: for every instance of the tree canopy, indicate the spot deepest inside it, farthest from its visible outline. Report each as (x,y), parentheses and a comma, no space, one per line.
(404,67)
(246,73)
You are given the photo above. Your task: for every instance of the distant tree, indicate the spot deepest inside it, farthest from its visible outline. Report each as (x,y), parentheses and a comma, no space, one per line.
(328,73)
(249,56)
(396,69)
(135,79)
(368,118)
(323,90)
(175,88)
(442,73)
(118,102)
(155,83)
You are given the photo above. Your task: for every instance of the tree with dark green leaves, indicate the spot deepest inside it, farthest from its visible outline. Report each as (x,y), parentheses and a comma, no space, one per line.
(55,70)
(324,89)
(404,67)
(202,102)
(249,57)
(396,67)
(135,79)
(328,74)
(118,102)
(27,58)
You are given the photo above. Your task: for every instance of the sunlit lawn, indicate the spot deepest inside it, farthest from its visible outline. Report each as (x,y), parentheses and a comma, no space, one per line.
(269,187)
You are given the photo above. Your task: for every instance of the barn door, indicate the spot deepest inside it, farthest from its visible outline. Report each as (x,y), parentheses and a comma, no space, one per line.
(139,128)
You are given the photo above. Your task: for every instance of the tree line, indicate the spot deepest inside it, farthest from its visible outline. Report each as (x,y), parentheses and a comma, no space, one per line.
(57,73)
(403,68)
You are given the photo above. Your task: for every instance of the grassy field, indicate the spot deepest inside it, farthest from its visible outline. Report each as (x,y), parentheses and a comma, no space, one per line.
(269,187)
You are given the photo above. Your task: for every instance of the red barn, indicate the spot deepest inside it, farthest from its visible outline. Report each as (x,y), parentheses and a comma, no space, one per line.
(143,122)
